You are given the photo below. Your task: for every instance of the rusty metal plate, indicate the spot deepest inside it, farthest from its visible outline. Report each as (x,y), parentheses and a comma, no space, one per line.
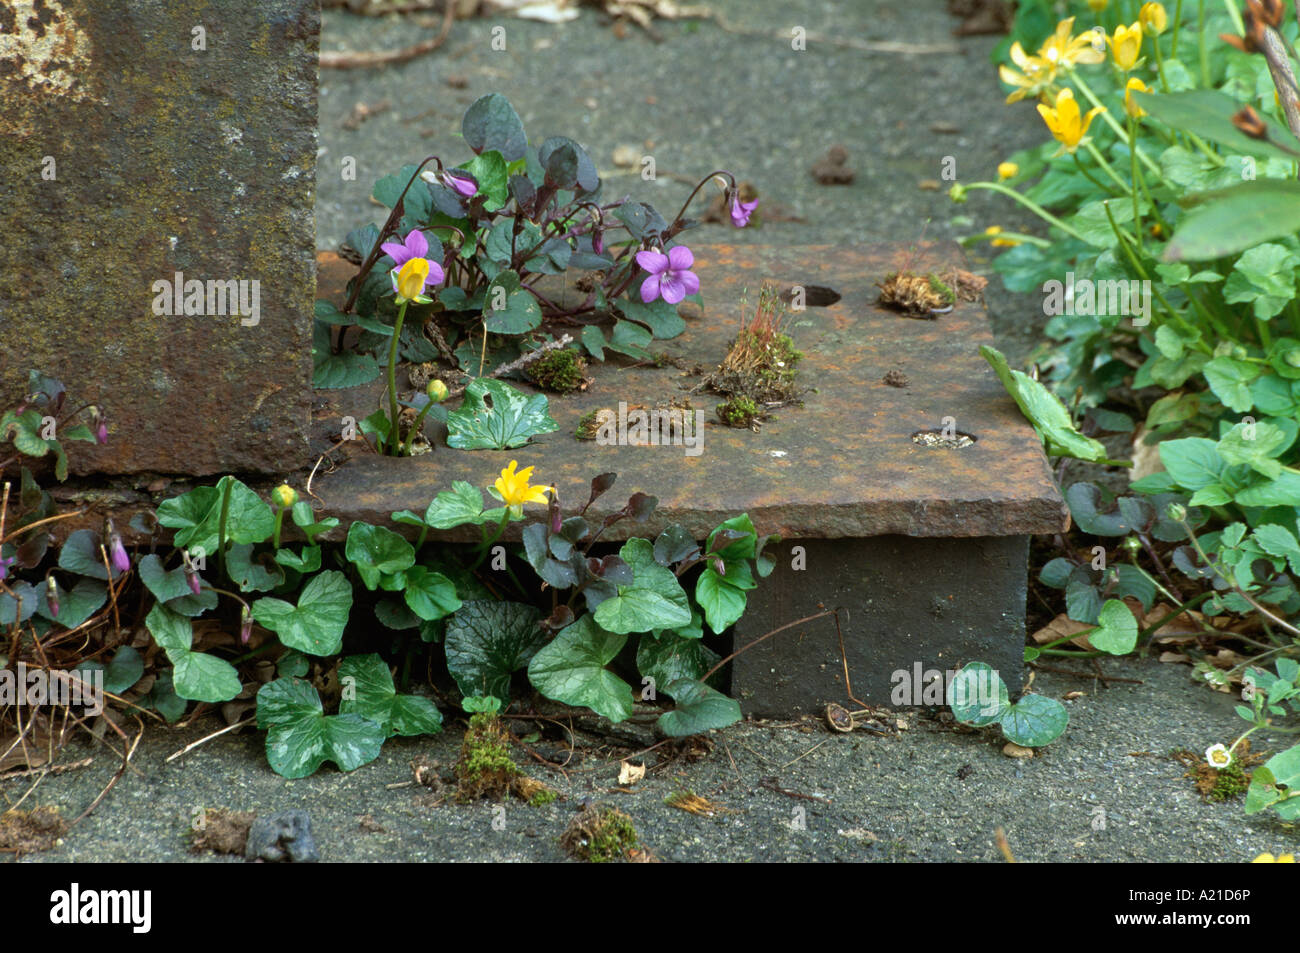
(842,465)
(134,147)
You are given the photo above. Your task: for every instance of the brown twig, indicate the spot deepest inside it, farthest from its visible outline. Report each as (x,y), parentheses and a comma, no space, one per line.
(1090,676)
(771,785)
(206,738)
(1003,846)
(517,364)
(750,645)
(52,769)
(384,57)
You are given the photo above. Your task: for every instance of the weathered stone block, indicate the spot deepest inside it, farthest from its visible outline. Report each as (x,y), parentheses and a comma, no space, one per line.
(147,143)
(913,609)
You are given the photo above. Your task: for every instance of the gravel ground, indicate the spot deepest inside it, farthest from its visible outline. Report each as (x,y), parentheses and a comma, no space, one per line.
(1106,791)
(931,792)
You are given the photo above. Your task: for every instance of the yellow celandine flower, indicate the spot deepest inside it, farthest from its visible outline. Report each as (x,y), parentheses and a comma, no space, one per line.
(1270,859)
(1038,72)
(1126,45)
(1134,85)
(1007,170)
(1067,125)
(1000,242)
(1098,6)
(1153,18)
(411,279)
(1035,75)
(1063,50)
(514,487)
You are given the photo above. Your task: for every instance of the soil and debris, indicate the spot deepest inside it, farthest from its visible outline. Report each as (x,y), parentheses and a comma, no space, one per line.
(917,296)
(25,832)
(221,830)
(896,378)
(833,168)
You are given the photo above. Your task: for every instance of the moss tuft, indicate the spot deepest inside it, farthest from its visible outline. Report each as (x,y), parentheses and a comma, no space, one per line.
(600,835)
(560,370)
(484,768)
(738,411)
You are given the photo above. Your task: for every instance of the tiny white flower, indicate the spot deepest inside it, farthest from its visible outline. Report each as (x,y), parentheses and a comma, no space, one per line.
(1218,757)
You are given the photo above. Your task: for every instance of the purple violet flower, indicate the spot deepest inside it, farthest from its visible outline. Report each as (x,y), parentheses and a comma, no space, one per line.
(464,183)
(5,563)
(740,211)
(117,553)
(101,426)
(245,626)
(670,275)
(415,245)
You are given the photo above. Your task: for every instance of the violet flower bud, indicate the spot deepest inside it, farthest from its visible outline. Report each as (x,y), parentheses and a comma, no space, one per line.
(5,563)
(52,595)
(462,182)
(116,551)
(192,578)
(101,425)
(718,565)
(245,625)
(598,241)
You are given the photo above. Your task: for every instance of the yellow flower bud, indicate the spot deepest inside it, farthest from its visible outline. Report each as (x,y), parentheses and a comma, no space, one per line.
(1134,85)
(1126,45)
(1153,18)
(1098,6)
(436,390)
(994,230)
(1008,170)
(284,496)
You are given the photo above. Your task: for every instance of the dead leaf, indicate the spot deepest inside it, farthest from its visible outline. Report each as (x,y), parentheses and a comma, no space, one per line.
(1062,627)
(630,773)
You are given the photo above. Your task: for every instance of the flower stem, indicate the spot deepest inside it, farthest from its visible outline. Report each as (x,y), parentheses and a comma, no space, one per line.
(1111,121)
(279,521)
(695,191)
(392,440)
(1160,63)
(1029,204)
(415,427)
(1178,22)
(1133,171)
(1201,38)
(221,528)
